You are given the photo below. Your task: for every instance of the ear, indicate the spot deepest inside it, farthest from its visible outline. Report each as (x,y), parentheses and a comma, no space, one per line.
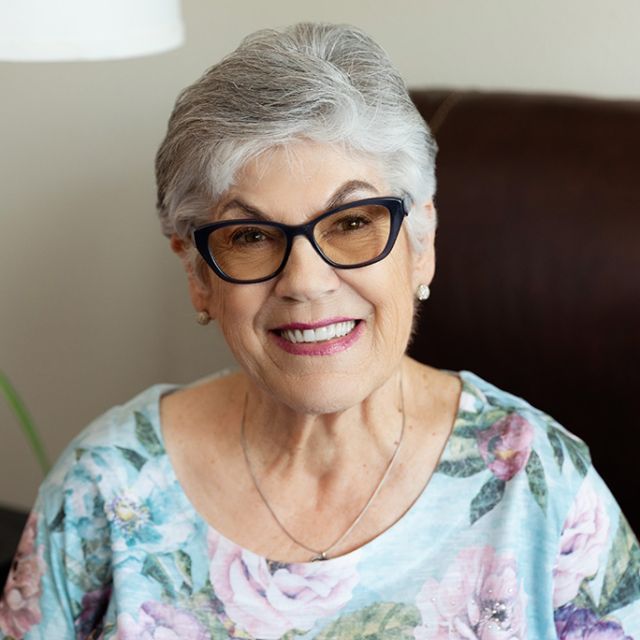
(424,262)
(199,286)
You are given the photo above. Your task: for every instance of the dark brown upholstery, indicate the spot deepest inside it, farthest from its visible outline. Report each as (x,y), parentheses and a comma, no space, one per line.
(537,287)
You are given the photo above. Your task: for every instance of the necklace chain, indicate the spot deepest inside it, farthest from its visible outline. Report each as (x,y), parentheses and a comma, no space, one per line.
(317,553)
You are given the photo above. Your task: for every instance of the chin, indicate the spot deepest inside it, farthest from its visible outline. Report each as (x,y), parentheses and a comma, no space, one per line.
(322,393)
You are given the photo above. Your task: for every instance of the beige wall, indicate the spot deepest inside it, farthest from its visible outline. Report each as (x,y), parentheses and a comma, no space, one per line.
(92,305)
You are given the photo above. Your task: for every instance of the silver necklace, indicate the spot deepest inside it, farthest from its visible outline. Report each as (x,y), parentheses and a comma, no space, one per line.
(319,554)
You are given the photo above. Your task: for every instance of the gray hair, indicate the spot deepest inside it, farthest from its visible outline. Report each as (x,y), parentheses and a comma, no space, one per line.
(326,83)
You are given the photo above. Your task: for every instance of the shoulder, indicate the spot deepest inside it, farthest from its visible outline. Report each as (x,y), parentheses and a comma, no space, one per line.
(517,441)
(110,451)
(485,404)
(133,423)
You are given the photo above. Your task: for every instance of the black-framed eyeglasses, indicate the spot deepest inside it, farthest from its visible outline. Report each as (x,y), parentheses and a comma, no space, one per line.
(350,236)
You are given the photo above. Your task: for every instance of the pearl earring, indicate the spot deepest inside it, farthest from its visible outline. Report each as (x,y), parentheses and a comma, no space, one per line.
(423,292)
(203,318)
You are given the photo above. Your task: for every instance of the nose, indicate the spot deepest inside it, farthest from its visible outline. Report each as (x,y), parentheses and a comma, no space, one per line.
(306,276)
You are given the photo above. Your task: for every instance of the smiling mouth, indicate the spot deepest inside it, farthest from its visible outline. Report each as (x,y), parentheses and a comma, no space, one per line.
(319,334)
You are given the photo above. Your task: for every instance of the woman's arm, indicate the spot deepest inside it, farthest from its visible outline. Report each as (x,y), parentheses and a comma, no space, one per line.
(596,577)
(59,584)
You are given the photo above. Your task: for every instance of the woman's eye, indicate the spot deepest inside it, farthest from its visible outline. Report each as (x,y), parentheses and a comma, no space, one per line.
(248,236)
(352,223)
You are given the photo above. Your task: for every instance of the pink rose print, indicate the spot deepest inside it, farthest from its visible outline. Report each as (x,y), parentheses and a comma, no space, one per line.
(268,599)
(506,445)
(159,621)
(20,607)
(478,598)
(584,535)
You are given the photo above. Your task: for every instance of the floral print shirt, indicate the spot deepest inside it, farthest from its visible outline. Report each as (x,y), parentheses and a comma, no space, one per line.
(514,537)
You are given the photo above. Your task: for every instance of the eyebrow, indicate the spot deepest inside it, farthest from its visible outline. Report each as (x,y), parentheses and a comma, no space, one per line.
(343,193)
(340,196)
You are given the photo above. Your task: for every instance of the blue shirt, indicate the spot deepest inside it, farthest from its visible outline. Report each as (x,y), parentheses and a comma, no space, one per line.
(515,536)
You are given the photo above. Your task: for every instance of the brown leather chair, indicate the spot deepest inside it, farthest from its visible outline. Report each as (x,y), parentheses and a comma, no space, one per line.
(537,285)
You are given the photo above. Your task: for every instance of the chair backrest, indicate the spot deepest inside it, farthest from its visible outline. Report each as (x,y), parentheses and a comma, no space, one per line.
(537,285)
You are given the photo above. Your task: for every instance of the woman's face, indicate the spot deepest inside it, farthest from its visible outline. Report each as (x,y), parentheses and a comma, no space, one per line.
(293,185)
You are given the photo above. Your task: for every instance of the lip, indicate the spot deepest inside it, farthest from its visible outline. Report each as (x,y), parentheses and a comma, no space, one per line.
(314,325)
(327,348)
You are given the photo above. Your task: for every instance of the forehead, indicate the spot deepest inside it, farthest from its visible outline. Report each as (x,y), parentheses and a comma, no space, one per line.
(304,178)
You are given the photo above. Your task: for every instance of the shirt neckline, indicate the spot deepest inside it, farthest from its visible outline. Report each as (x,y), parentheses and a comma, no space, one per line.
(467,380)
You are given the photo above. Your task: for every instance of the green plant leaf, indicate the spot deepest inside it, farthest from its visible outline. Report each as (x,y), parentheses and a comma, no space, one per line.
(25,421)
(146,435)
(388,620)
(556,446)
(461,468)
(487,498)
(622,576)
(537,480)
(133,457)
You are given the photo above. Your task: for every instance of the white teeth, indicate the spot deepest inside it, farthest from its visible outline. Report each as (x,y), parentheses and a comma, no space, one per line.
(320,334)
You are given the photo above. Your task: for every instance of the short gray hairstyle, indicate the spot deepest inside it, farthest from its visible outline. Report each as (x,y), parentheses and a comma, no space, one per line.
(326,83)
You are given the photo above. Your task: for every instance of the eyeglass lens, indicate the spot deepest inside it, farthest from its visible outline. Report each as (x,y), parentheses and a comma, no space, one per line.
(251,250)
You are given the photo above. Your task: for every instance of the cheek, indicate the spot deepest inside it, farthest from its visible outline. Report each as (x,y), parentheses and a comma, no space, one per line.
(393,302)
(237,310)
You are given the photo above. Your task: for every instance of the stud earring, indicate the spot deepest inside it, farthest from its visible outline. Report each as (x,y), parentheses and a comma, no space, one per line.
(203,318)
(423,292)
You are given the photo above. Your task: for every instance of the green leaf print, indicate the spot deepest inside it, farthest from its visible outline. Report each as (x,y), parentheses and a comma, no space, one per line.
(57,524)
(537,480)
(556,446)
(578,453)
(133,457)
(94,562)
(584,599)
(147,436)
(216,629)
(388,620)
(152,568)
(209,610)
(76,608)
(462,457)
(488,497)
(622,576)
(76,572)
(461,468)
(466,431)
(183,564)
(490,417)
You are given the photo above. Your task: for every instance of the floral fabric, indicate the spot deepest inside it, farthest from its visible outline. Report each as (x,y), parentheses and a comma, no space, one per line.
(514,537)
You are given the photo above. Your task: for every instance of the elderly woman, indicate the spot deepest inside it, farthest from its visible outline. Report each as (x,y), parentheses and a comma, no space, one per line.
(330,487)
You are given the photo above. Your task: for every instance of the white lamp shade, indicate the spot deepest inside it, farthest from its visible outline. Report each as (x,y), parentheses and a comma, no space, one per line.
(41,30)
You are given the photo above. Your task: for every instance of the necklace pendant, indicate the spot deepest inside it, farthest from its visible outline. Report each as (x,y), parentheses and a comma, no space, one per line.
(321,556)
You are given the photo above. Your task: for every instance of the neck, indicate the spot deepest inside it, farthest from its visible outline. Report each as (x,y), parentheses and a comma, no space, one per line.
(285,441)
(301,439)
